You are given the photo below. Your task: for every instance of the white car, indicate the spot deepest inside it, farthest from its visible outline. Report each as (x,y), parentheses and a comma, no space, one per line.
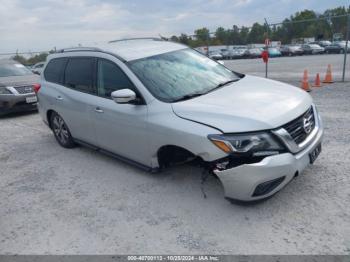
(155,103)
(38,68)
(216,55)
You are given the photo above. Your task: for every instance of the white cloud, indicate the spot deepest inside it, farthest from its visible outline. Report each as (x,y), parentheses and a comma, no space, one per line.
(41,25)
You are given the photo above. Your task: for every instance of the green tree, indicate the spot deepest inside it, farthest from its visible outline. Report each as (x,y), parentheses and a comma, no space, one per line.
(243,35)
(184,39)
(20,59)
(32,60)
(291,28)
(202,34)
(257,33)
(221,35)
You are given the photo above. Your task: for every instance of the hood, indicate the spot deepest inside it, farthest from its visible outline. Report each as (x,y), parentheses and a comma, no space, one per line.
(251,104)
(19,80)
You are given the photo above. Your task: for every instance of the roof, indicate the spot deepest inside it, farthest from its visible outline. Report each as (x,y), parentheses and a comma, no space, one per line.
(8,61)
(140,48)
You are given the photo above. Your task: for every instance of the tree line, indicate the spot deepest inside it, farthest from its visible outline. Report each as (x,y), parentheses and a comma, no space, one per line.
(292,28)
(322,27)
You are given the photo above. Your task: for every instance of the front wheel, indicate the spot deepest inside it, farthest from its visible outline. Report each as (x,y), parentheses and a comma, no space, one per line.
(61,131)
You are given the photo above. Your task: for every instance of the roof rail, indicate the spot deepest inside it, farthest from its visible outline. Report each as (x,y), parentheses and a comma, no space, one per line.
(77,49)
(137,38)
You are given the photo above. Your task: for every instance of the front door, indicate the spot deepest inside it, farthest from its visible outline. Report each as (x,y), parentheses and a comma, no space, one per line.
(120,128)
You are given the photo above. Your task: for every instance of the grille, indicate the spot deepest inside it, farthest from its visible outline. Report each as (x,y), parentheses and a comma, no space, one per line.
(298,130)
(24,89)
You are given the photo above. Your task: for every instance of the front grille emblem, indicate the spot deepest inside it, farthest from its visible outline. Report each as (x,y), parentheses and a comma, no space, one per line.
(307,124)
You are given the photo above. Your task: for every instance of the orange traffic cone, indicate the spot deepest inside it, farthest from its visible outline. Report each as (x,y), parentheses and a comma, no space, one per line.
(328,79)
(317,81)
(305,83)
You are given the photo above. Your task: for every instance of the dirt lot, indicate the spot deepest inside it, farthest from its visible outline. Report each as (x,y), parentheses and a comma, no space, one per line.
(59,201)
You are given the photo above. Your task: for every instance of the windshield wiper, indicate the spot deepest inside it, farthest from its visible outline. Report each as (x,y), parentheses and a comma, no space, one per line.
(186,97)
(223,84)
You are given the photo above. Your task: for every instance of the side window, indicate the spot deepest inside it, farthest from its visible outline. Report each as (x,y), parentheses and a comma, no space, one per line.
(110,78)
(54,70)
(79,74)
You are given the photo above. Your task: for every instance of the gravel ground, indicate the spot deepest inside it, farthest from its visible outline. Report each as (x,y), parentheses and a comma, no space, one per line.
(77,201)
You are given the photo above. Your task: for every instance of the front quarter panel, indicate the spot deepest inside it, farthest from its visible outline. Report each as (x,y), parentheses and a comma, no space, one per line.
(168,129)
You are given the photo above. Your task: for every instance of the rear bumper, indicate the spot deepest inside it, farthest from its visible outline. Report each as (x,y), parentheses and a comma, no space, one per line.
(240,183)
(16,103)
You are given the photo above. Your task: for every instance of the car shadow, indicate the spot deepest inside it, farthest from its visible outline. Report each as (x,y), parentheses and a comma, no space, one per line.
(18,114)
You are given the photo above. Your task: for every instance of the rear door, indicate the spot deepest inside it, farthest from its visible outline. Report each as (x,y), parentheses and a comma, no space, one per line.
(75,98)
(120,128)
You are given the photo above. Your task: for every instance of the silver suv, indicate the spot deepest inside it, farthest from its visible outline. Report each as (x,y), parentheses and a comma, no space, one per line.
(155,103)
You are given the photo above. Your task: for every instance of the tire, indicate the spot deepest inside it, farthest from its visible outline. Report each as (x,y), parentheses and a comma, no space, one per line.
(61,131)
(341,51)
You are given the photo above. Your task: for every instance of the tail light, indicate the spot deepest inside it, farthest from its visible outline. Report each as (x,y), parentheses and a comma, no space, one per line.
(36,88)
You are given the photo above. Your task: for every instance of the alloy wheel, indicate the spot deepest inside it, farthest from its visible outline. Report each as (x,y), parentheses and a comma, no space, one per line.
(60,129)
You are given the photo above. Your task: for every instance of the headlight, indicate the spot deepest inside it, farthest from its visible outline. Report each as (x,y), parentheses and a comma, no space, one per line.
(257,144)
(4,91)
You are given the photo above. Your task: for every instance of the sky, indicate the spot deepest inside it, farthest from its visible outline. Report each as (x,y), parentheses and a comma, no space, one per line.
(35,25)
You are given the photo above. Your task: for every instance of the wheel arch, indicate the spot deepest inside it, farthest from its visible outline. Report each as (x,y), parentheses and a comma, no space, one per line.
(168,155)
(48,116)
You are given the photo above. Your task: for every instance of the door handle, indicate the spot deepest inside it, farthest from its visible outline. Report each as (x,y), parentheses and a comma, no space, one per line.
(98,110)
(59,98)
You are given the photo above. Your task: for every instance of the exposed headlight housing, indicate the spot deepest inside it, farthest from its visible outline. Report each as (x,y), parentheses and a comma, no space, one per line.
(4,91)
(256,144)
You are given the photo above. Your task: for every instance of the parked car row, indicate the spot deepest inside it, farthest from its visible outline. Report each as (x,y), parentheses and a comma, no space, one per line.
(320,47)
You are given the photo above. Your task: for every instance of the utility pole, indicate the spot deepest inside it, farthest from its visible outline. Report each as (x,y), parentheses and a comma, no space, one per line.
(266,45)
(208,39)
(346,47)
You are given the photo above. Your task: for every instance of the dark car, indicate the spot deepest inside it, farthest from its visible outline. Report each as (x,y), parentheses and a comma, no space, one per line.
(312,49)
(291,50)
(322,43)
(343,45)
(17,84)
(334,48)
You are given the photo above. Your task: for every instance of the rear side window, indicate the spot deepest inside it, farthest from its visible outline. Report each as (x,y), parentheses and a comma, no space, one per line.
(79,74)
(54,70)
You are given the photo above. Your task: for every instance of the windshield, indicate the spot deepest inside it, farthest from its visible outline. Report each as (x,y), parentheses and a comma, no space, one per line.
(13,70)
(185,72)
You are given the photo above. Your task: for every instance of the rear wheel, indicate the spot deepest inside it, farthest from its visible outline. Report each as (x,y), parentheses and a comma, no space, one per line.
(61,131)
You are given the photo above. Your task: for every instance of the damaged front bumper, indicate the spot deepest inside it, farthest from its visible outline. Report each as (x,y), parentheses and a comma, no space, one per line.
(250,182)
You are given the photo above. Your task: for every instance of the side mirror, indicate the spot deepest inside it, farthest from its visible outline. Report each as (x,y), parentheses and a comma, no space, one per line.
(221,62)
(123,96)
